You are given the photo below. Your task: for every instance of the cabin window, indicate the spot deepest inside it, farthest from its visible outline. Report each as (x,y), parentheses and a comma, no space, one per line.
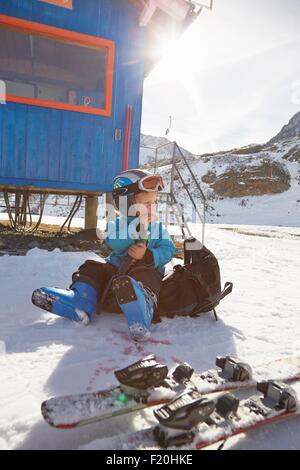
(46,66)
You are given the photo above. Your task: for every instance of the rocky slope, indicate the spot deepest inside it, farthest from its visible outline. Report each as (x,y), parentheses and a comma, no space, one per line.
(253,184)
(290,131)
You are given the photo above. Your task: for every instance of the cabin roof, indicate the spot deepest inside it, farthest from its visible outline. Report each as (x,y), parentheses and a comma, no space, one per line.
(161,25)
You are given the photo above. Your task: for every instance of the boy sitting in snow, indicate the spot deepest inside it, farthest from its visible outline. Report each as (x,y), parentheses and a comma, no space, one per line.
(141,247)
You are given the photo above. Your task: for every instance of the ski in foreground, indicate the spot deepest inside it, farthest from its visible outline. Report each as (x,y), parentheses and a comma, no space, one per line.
(148,383)
(196,422)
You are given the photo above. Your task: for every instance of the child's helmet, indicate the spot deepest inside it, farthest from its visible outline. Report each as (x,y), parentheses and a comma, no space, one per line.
(130,182)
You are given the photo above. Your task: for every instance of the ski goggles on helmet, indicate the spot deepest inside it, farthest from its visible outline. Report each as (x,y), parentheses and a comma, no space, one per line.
(147,183)
(151,183)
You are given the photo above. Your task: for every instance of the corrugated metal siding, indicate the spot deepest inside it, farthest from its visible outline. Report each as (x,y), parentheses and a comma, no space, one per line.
(50,148)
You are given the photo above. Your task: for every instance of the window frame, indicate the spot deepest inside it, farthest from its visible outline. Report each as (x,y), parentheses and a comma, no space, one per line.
(64,35)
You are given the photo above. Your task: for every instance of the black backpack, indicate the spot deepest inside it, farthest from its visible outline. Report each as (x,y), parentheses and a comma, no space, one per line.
(195,287)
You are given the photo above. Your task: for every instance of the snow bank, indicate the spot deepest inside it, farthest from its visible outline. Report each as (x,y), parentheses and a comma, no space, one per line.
(47,356)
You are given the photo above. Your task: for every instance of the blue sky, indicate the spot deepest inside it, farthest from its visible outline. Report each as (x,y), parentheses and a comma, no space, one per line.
(231,80)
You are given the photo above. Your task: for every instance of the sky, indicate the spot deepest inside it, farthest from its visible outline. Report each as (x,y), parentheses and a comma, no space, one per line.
(231,80)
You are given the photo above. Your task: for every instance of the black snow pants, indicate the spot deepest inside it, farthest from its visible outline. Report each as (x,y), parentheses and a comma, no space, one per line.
(100,275)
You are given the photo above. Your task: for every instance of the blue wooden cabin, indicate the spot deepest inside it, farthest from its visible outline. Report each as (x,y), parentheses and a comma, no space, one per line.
(72,75)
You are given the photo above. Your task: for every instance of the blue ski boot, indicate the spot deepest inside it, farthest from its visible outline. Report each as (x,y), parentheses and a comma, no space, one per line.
(77,303)
(137,304)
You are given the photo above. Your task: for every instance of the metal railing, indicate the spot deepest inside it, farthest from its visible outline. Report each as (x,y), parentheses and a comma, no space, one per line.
(171,154)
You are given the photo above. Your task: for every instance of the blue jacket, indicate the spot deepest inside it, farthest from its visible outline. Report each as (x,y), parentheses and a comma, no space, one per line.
(121,234)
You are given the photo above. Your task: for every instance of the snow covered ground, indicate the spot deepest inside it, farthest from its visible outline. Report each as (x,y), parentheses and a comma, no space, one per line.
(42,355)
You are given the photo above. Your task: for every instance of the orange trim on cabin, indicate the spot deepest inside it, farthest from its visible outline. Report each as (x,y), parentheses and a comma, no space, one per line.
(60,3)
(74,38)
(57,105)
(109,79)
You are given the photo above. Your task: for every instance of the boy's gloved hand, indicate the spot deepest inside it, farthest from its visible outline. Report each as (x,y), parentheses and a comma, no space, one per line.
(137,251)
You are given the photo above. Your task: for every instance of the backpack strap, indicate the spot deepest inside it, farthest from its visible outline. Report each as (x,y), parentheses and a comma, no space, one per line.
(227,289)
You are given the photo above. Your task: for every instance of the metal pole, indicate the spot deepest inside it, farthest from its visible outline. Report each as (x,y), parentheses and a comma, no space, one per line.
(203,222)
(155,165)
(167,212)
(172,171)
